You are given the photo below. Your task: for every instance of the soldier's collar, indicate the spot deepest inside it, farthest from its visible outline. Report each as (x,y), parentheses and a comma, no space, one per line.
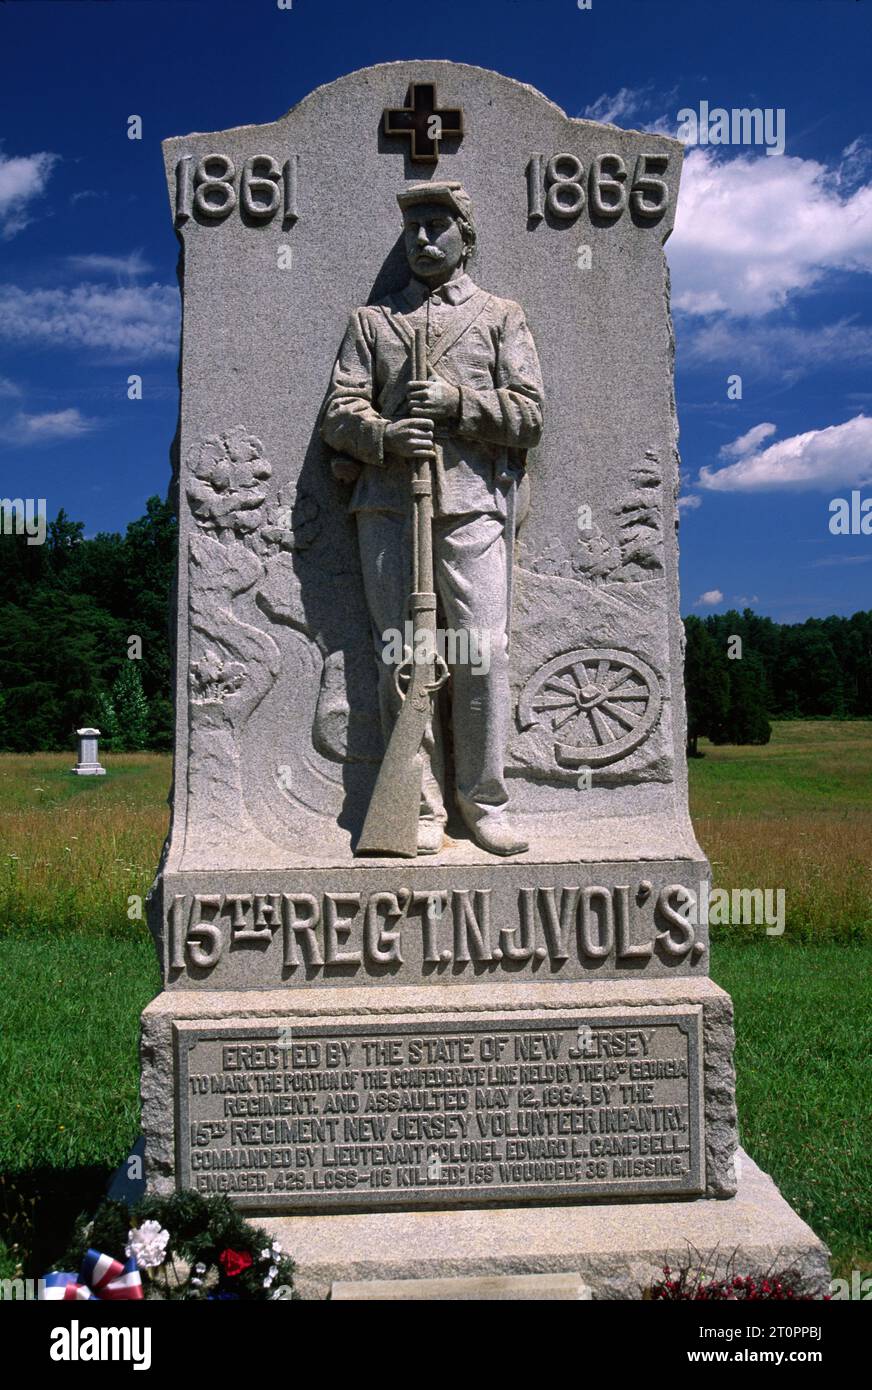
(455,291)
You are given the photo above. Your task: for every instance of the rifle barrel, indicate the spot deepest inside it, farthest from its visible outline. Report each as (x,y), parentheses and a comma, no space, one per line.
(420,369)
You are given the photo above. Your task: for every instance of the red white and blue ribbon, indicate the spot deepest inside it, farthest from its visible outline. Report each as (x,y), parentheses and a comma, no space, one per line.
(100,1277)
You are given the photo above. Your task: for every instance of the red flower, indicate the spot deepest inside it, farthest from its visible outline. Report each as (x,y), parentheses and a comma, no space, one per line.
(233,1262)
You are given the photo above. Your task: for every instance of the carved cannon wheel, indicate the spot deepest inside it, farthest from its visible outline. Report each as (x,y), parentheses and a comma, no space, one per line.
(600,702)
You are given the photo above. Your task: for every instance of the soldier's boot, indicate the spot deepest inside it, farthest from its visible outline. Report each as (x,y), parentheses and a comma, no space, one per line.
(430,836)
(493,831)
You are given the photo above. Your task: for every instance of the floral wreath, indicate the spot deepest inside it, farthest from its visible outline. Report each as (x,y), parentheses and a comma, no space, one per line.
(187,1246)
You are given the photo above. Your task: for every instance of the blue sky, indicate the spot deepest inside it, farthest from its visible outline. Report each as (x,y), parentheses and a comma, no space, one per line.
(771,256)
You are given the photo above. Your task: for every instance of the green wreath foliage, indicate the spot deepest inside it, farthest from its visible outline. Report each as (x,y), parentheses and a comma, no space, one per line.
(212,1252)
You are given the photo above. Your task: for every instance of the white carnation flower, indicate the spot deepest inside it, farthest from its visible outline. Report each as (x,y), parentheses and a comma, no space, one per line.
(147,1244)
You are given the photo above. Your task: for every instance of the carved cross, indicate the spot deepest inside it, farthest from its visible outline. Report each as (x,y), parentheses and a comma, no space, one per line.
(423,122)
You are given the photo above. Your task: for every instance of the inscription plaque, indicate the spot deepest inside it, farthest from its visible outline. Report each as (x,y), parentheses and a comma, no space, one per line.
(444,1112)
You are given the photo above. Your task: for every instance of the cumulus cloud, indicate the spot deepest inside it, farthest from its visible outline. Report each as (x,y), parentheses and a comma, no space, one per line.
(836,456)
(47,427)
(140,319)
(751,231)
(22,178)
(8,388)
(709,599)
(689,502)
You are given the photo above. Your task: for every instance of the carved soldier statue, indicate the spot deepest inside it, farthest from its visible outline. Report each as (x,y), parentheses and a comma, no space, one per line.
(473,418)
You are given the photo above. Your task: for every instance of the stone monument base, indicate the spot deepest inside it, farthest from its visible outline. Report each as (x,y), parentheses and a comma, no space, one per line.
(209,1126)
(223,1111)
(616,1251)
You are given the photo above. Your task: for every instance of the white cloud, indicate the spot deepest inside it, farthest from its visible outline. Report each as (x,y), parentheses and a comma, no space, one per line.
(836,456)
(22,178)
(747,443)
(634,104)
(842,560)
(782,351)
(133,319)
(855,167)
(689,502)
(608,107)
(131,265)
(8,388)
(47,427)
(709,599)
(751,231)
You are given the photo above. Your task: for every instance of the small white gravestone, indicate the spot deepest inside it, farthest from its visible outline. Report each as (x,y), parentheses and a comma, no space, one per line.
(88,764)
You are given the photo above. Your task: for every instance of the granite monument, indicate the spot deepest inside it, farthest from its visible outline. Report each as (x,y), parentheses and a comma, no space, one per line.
(429,912)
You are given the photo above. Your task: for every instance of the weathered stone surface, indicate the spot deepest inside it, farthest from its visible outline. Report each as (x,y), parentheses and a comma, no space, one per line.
(429,925)
(547,1288)
(278,740)
(453,1111)
(268,926)
(617,1251)
(578,1015)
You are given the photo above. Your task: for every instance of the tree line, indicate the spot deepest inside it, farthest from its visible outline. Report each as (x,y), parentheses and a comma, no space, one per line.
(741,670)
(84,634)
(85,640)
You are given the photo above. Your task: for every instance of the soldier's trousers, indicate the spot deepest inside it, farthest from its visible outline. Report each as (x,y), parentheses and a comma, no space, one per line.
(469,564)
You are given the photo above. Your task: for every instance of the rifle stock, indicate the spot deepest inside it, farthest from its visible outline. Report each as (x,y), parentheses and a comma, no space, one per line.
(391,825)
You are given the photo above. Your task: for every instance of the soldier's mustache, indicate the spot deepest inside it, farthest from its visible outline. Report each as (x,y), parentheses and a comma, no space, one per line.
(432,253)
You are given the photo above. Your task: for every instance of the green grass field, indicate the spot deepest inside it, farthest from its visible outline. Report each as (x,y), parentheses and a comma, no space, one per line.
(77,856)
(795,814)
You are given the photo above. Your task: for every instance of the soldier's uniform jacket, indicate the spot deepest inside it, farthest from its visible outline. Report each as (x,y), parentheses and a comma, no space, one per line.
(476,342)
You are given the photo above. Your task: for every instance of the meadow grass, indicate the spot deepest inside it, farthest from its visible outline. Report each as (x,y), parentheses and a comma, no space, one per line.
(77,856)
(75,850)
(795,814)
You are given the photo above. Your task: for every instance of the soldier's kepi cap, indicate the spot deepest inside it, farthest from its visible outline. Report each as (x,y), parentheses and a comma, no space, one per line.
(449,192)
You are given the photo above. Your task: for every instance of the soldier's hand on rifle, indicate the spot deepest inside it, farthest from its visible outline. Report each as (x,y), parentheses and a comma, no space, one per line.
(435,400)
(411,439)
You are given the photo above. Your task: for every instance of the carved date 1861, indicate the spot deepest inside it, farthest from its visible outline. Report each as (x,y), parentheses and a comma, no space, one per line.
(210,189)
